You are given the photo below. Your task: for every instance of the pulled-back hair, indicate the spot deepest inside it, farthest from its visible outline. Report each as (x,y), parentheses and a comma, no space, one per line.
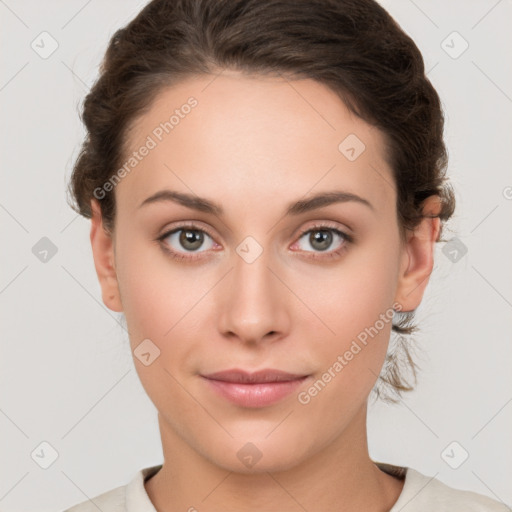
(352,46)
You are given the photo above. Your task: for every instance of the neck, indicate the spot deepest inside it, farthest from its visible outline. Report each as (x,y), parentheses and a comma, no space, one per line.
(339,477)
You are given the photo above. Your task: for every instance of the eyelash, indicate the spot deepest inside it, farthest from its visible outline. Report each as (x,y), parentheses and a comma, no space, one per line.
(348,239)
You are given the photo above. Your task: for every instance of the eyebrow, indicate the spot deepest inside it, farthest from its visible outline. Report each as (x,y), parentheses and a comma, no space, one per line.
(201,204)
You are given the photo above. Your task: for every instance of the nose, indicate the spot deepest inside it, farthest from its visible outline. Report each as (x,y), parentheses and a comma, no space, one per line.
(253,302)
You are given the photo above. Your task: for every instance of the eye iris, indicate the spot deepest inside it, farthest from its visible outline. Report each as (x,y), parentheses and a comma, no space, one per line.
(190,236)
(323,237)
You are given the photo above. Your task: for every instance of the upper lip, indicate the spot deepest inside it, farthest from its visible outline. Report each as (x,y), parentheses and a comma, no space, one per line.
(265,375)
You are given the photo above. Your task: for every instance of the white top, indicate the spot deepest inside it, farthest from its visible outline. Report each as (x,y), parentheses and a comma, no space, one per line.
(420,493)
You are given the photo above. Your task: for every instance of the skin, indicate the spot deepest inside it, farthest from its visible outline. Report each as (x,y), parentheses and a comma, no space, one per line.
(253,145)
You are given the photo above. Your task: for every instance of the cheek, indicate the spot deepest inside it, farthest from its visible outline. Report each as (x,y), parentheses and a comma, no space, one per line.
(149,301)
(352,357)
(158,303)
(151,286)
(354,296)
(163,301)
(356,305)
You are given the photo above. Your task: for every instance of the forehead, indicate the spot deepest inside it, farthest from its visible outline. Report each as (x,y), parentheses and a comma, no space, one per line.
(263,137)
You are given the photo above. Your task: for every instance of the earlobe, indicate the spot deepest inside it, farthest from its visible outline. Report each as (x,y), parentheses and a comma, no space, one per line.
(104,261)
(418,257)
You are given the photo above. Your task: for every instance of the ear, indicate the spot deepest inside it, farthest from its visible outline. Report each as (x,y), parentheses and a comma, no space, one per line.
(104,262)
(418,257)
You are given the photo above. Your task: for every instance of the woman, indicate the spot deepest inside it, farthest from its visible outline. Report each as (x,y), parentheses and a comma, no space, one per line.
(297,147)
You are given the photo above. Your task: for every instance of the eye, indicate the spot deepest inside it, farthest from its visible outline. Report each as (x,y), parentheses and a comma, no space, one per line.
(186,239)
(321,238)
(184,242)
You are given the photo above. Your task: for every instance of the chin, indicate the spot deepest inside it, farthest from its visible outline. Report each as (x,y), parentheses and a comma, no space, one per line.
(255,454)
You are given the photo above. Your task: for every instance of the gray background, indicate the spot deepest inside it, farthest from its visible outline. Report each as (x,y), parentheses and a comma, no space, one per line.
(67,377)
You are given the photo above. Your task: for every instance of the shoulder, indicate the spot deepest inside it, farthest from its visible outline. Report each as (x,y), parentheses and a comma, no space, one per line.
(131,497)
(426,493)
(109,501)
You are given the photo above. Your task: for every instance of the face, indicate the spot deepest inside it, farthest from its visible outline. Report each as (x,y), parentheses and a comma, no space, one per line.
(251,285)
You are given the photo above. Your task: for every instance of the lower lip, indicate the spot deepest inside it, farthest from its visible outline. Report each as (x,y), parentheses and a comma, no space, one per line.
(254,395)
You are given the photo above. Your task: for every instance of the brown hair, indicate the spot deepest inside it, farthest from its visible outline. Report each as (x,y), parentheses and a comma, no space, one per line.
(352,46)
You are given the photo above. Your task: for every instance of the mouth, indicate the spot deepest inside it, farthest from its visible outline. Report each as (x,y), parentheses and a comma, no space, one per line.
(258,377)
(256,389)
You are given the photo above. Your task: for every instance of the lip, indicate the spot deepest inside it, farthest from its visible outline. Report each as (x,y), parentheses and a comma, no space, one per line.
(256,389)
(258,377)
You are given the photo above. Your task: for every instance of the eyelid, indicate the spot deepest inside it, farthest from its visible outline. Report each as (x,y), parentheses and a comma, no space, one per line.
(183,256)
(195,224)
(325,224)
(191,224)
(315,225)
